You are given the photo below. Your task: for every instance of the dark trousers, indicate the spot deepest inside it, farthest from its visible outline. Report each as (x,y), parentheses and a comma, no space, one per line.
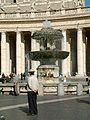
(32,102)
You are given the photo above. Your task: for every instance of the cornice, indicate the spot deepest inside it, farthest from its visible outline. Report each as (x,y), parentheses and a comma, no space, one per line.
(53,17)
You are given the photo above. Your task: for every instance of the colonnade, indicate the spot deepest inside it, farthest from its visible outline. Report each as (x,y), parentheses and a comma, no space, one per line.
(81,52)
(18,42)
(6,61)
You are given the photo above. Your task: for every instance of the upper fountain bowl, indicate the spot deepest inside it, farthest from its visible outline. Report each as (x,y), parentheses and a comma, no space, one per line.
(48,54)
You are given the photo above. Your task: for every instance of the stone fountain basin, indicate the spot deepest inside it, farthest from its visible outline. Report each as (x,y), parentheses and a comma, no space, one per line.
(48,54)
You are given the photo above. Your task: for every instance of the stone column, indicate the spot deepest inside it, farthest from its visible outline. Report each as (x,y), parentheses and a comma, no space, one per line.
(69,57)
(18,52)
(3,52)
(10,65)
(80,51)
(64,48)
(8,56)
(35,46)
(23,55)
(84,52)
(84,58)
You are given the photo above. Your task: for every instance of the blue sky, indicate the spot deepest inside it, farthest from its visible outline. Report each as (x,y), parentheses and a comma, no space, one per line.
(87,2)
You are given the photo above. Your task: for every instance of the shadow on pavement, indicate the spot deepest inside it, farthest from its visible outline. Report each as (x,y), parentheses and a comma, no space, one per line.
(24,109)
(33,117)
(83,101)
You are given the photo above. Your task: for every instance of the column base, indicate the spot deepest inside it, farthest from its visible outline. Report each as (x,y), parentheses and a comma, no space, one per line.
(80,75)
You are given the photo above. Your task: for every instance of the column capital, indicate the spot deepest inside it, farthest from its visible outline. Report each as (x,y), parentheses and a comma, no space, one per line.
(64,29)
(32,32)
(79,28)
(3,32)
(18,31)
(3,38)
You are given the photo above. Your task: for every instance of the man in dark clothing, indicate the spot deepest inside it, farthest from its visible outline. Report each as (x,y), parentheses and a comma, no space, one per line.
(88,82)
(32,91)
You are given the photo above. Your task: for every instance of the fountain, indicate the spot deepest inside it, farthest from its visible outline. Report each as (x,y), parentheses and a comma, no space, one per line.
(48,38)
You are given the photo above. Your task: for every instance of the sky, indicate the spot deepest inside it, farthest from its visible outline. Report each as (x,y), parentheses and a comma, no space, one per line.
(87,2)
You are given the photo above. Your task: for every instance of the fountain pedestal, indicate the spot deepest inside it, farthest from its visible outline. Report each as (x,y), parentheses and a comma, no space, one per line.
(48,74)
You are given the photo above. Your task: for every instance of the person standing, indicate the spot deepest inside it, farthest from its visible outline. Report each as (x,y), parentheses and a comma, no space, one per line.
(16,85)
(89,86)
(32,92)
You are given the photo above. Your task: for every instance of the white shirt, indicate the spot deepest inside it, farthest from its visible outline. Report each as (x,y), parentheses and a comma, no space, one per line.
(32,83)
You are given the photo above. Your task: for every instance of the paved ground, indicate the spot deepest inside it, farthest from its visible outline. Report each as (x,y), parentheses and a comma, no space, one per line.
(50,108)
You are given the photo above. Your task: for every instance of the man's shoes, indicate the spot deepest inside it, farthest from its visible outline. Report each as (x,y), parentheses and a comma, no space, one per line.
(32,114)
(29,114)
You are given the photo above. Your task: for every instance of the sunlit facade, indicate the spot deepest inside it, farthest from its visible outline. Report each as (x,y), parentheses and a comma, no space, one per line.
(20,18)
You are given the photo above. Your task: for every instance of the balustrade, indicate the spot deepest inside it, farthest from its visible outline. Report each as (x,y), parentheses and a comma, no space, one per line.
(59,12)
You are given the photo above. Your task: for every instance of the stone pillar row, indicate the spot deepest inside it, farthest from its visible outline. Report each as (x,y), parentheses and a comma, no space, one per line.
(5,54)
(20,53)
(35,46)
(81,53)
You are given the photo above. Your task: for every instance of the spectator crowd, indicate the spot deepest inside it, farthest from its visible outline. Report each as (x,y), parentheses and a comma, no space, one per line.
(9,78)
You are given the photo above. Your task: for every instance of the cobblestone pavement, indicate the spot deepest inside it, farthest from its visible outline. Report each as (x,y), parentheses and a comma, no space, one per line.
(49,107)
